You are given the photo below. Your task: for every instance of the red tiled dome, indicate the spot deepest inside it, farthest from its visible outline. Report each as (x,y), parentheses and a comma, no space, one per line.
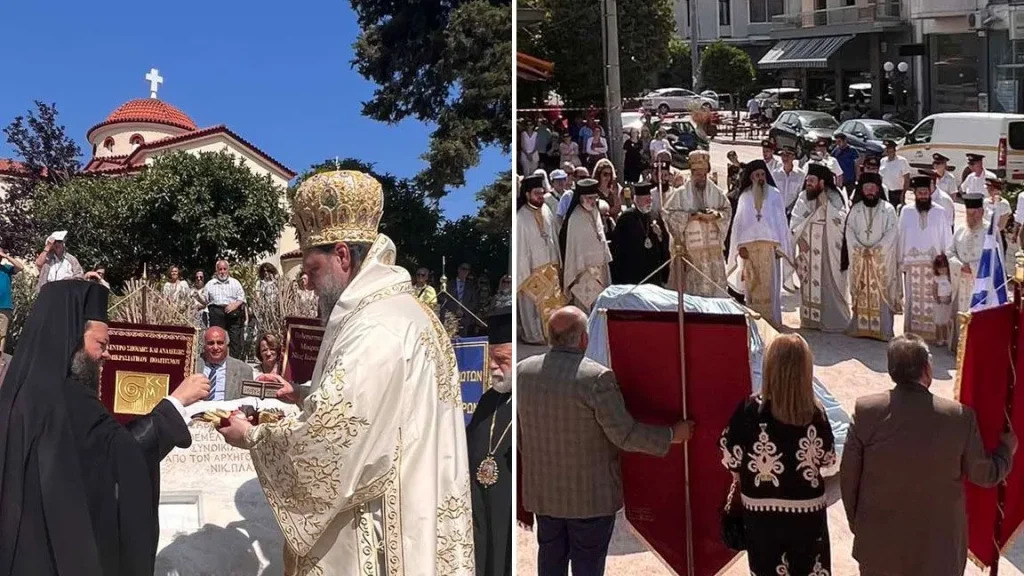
(148,110)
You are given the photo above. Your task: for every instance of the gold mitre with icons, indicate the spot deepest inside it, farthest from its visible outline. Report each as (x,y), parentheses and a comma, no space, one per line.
(699,159)
(338,206)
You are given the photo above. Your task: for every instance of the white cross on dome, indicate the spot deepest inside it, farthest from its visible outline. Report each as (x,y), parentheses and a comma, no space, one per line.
(155,79)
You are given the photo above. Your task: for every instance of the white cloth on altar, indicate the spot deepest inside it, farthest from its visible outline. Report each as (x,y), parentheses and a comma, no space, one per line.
(373,476)
(655,298)
(536,247)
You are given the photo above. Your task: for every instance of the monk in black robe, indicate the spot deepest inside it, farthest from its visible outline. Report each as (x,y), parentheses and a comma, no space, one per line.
(78,491)
(641,242)
(489,441)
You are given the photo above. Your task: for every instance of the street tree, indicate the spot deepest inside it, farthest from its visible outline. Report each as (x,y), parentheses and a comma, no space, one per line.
(727,69)
(570,37)
(46,155)
(185,209)
(441,62)
(496,205)
(679,71)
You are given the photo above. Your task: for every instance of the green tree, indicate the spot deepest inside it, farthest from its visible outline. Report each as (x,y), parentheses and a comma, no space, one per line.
(679,72)
(496,205)
(463,240)
(570,37)
(410,219)
(727,69)
(185,209)
(48,155)
(441,62)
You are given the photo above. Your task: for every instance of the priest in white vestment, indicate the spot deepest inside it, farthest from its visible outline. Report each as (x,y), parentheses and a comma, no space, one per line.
(760,238)
(939,197)
(537,266)
(924,234)
(697,215)
(968,242)
(372,477)
(818,222)
(585,253)
(872,234)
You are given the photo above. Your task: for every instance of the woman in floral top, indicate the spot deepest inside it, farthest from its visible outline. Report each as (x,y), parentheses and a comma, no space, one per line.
(776,445)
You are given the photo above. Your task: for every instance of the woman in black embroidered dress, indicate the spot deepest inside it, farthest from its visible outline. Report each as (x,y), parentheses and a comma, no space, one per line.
(776,445)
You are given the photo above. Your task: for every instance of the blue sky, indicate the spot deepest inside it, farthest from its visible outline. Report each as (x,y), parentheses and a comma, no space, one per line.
(276,73)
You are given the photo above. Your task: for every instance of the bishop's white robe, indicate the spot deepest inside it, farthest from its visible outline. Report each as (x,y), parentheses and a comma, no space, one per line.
(967,247)
(764,232)
(700,238)
(537,270)
(876,294)
(922,238)
(585,270)
(372,477)
(824,290)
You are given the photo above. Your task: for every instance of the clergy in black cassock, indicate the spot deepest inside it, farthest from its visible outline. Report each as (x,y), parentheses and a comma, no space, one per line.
(489,440)
(78,491)
(641,241)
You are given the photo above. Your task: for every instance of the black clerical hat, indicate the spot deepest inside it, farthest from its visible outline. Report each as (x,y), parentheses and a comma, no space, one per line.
(937,158)
(586,187)
(500,326)
(532,182)
(931,174)
(972,158)
(974,200)
(664,164)
(870,178)
(820,171)
(643,189)
(920,182)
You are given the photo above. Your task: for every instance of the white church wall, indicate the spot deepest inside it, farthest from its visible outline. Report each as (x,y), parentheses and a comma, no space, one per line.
(122,134)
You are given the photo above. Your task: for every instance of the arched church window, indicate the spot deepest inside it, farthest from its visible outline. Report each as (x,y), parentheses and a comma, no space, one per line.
(136,140)
(109,144)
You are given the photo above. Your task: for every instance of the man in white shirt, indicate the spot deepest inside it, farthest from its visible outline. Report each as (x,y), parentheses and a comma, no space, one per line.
(55,263)
(528,154)
(553,197)
(974,183)
(789,178)
(945,181)
(895,172)
(579,173)
(225,301)
(821,155)
(659,143)
(768,155)
(753,109)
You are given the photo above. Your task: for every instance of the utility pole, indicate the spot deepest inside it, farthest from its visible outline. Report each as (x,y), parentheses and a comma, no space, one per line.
(691,5)
(613,89)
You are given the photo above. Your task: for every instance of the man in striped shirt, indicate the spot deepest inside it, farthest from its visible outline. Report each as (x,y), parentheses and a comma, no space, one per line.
(225,301)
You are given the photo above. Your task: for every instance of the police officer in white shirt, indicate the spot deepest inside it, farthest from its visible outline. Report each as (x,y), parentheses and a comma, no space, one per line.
(974,183)
(789,178)
(945,181)
(895,172)
(768,154)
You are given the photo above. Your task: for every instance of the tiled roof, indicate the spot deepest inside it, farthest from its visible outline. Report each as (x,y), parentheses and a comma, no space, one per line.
(147,110)
(10,167)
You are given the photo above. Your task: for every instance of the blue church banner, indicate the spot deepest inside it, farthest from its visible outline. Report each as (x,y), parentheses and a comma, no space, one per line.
(474,375)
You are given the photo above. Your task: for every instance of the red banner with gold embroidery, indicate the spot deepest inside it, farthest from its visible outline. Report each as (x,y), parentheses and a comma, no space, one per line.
(984,374)
(644,352)
(146,364)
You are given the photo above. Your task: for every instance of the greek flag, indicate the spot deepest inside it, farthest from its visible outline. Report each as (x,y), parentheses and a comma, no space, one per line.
(990,283)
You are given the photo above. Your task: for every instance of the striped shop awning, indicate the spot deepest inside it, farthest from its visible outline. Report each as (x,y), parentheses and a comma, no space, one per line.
(802,52)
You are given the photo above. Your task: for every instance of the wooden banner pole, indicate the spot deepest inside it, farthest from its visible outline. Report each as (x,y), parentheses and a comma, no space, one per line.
(686,450)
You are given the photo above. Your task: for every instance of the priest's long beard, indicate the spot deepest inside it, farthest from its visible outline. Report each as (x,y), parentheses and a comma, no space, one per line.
(870,202)
(813,193)
(85,370)
(501,381)
(923,205)
(329,292)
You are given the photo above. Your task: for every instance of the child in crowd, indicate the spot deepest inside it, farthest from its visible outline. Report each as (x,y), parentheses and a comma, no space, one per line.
(943,291)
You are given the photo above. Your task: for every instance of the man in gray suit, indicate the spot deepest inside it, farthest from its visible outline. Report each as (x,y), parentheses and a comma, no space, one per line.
(906,456)
(225,373)
(572,424)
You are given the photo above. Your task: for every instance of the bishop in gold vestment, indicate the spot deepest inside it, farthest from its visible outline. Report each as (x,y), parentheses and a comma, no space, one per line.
(372,477)
(698,216)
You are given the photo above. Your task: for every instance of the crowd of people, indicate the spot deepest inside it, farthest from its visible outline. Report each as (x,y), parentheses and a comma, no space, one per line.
(833,229)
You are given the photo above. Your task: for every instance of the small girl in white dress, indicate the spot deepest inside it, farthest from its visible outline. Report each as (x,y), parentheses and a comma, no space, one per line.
(943,291)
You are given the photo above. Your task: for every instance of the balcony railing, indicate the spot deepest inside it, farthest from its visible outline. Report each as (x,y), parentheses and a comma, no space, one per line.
(887,11)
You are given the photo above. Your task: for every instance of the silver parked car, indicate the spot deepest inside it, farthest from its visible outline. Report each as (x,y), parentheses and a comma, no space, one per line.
(677,100)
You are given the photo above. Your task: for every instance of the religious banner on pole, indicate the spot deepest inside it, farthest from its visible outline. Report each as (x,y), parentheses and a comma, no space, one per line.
(645,354)
(302,337)
(147,363)
(471,357)
(989,355)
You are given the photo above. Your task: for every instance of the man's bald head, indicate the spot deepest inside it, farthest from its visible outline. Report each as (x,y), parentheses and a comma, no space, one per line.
(215,345)
(567,328)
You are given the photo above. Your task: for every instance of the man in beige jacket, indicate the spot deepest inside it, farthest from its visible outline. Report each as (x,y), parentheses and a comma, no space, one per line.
(905,459)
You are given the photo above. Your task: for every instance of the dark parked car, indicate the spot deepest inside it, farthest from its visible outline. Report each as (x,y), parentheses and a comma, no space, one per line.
(866,135)
(801,129)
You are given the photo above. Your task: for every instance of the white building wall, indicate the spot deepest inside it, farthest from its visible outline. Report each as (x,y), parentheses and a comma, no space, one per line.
(122,134)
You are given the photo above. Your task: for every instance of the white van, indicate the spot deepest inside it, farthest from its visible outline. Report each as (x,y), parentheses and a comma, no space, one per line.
(998,137)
